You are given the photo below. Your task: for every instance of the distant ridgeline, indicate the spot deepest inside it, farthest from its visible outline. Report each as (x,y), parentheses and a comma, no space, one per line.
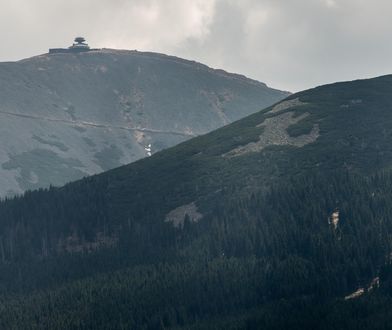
(78,46)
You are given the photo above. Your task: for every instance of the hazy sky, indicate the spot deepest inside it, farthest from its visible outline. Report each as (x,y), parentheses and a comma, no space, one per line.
(288,44)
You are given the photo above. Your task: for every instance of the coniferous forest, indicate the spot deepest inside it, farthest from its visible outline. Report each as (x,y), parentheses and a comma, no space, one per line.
(285,237)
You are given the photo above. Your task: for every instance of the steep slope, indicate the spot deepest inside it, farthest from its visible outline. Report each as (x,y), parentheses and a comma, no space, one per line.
(65,116)
(285,212)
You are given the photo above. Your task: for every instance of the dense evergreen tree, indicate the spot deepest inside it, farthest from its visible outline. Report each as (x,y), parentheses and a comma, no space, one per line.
(285,234)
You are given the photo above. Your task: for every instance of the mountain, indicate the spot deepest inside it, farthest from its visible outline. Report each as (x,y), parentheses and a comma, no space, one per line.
(286,212)
(65,116)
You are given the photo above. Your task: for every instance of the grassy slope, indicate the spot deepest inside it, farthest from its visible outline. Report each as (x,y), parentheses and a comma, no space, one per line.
(65,116)
(356,138)
(355,121)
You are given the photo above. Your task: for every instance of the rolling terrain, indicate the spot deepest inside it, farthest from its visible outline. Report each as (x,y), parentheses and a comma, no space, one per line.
(66,116)
(285,212)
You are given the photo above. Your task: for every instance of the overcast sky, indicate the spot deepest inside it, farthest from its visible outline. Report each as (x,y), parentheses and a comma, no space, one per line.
(288,44)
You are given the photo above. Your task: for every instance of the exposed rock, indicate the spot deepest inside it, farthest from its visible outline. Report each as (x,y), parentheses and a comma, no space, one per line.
(375,283)
(177,216)
(74,244)
(355,294)
(334,219)
(275,133)
(287,105)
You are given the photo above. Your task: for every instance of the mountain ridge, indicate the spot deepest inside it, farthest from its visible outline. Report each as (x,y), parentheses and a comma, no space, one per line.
(163,56)
(191,238)
(68,114)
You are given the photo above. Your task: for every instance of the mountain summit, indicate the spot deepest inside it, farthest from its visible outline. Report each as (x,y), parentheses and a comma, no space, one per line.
(68,115)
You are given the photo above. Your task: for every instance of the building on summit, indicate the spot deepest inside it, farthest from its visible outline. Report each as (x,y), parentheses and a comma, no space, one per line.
(78,46)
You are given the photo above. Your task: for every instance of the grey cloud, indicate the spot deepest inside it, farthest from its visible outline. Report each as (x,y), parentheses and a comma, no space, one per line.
(300,44)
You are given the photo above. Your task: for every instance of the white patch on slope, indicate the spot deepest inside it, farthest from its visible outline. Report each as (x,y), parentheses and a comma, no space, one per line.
(148,150)
(355,294)
(275,133)
(177,216)
(375,283)
(334,219)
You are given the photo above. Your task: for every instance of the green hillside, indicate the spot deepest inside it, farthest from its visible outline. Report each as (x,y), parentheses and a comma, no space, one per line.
(66,116)
(282,220)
